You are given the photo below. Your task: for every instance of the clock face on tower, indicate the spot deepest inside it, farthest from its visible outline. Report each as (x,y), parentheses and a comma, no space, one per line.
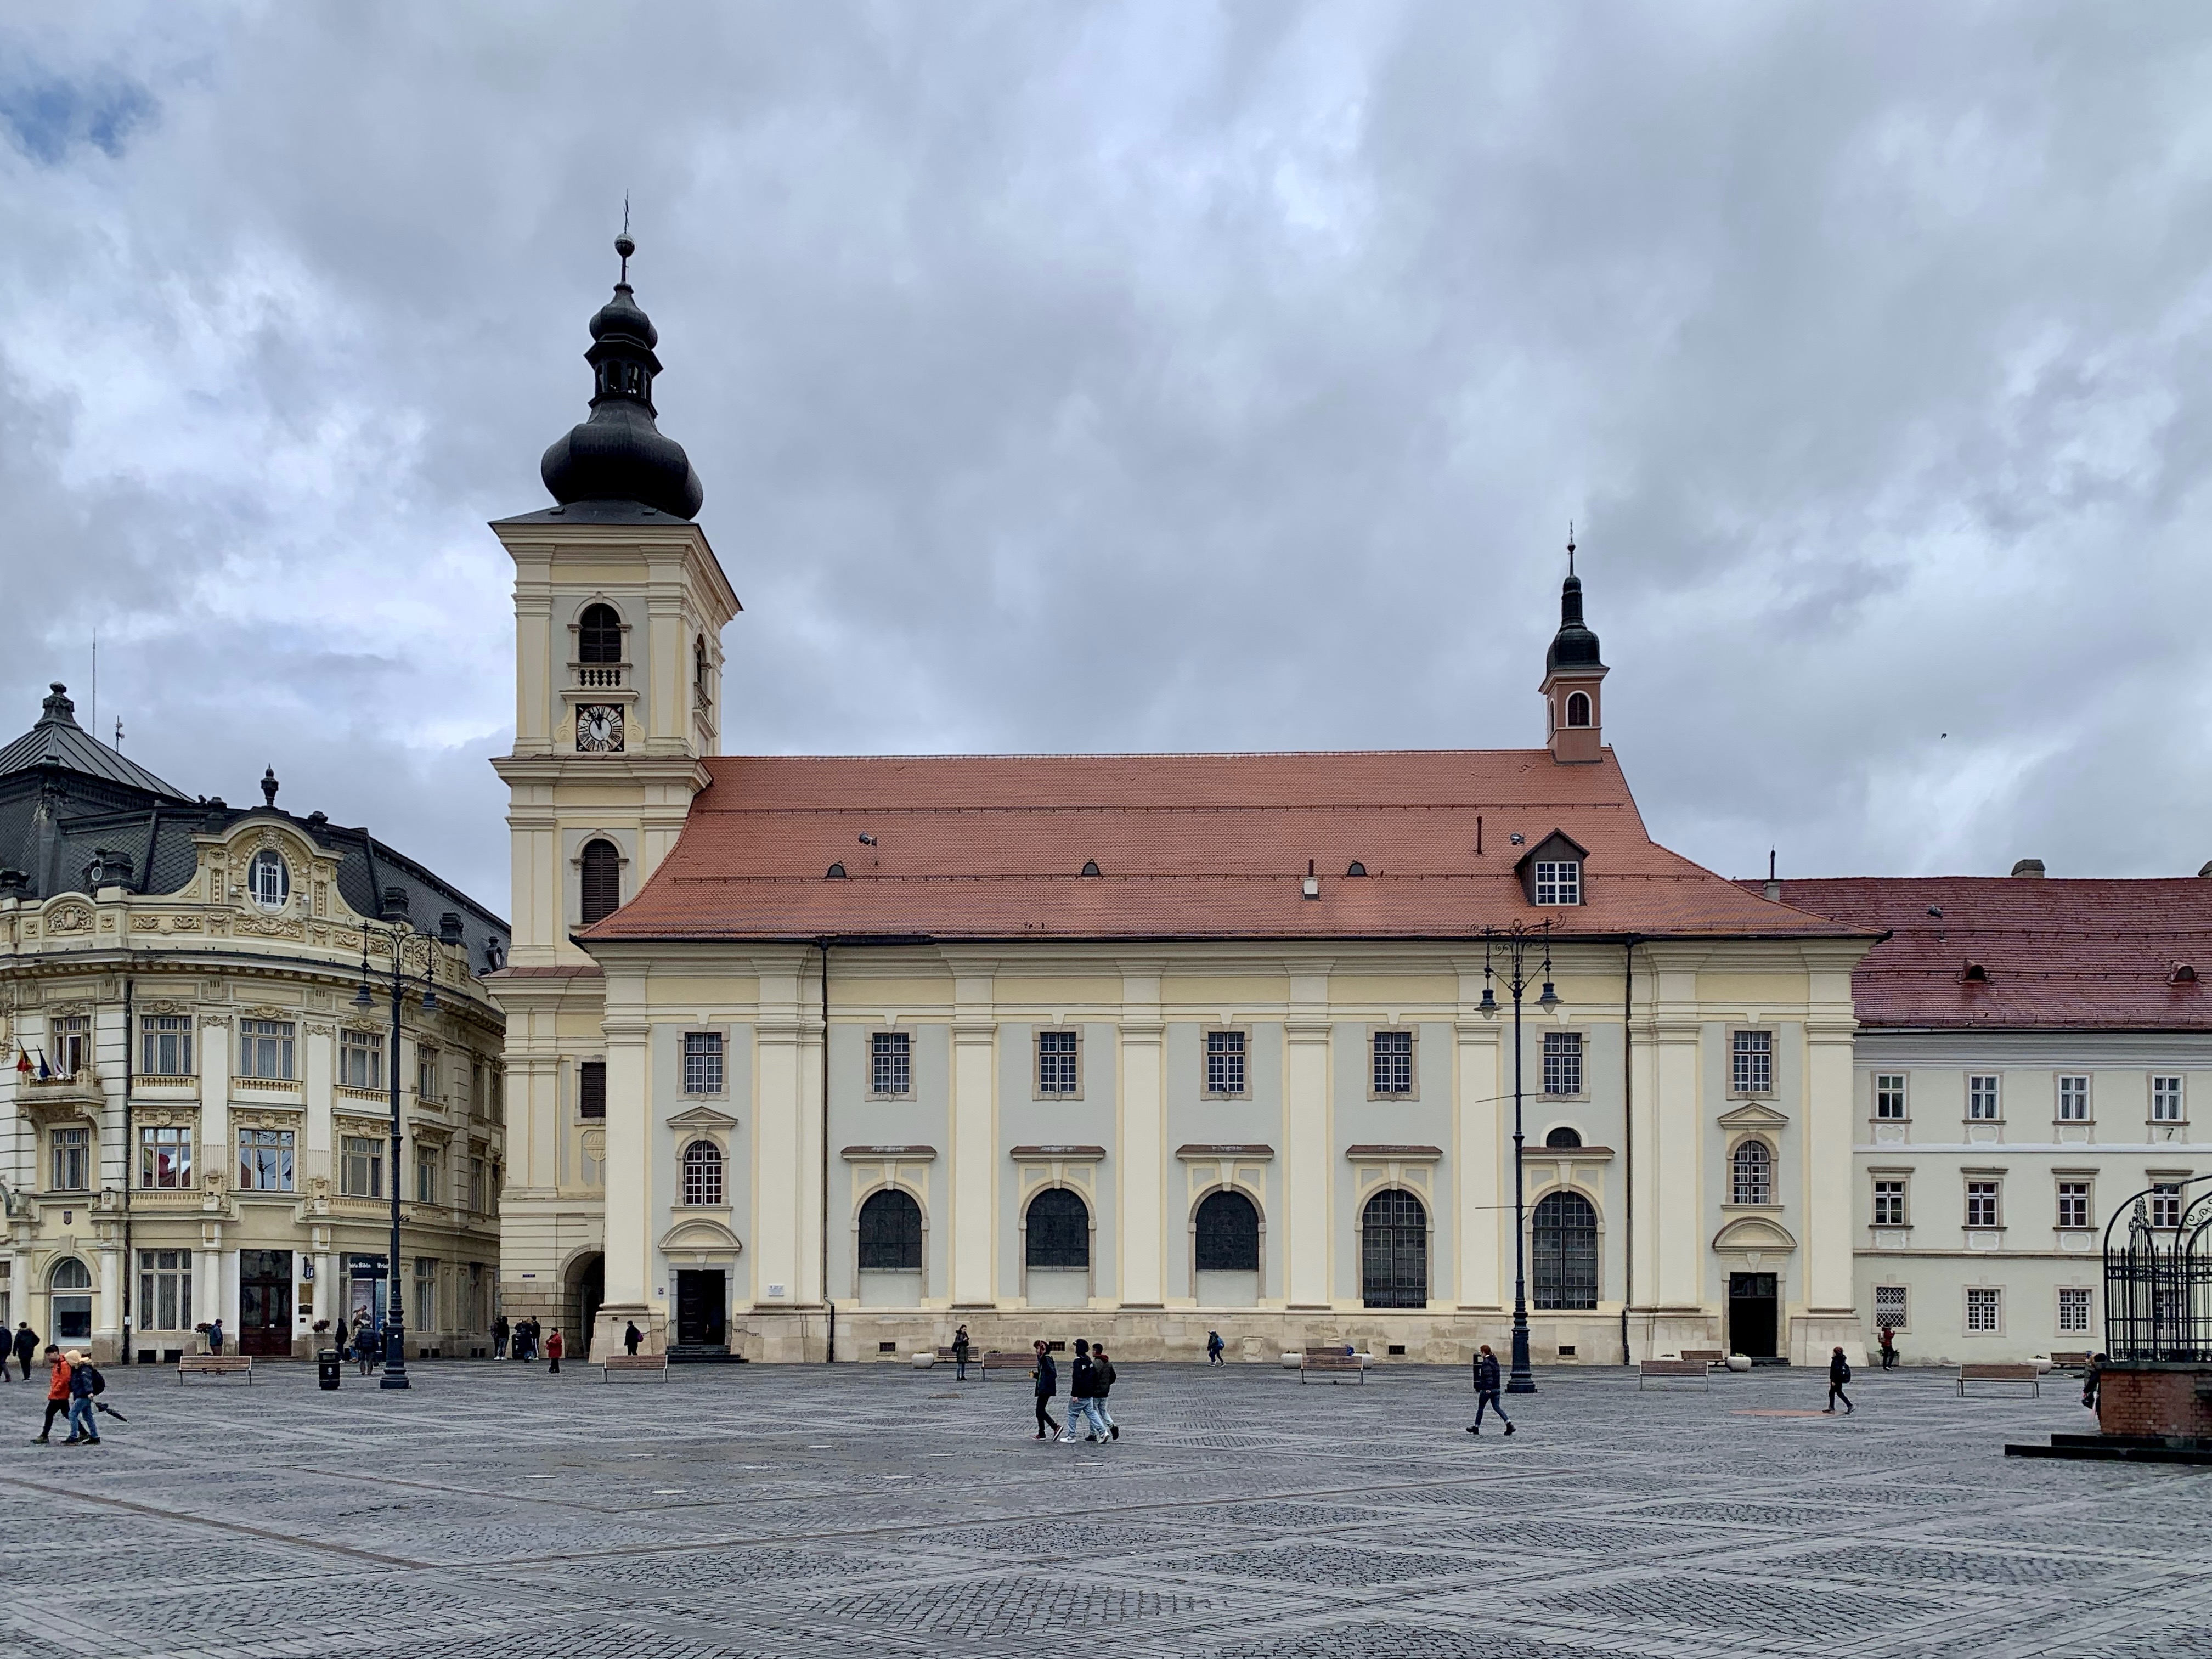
(600,729)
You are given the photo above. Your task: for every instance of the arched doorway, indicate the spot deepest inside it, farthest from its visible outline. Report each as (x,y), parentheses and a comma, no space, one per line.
(587,1288)
(1563,1250)
(1394,1251)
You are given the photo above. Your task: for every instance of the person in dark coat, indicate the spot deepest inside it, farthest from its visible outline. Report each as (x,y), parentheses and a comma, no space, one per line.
(2092,1381)
(26,1344)
(1103,1378)
(214,1337)
(1048,1384)
(500,1328)
(960,1355)
(1082,1377)
(632,1337)
(1213,1347)
(1888,1339)
(1839,1372)
(83,1426)
(1488,1391)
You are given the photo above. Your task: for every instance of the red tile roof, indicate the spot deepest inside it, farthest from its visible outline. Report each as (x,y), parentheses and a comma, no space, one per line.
(1188,846)
(2099,952)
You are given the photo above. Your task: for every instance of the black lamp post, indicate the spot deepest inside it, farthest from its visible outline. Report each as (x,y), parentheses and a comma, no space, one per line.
(398,934)
(1515,942)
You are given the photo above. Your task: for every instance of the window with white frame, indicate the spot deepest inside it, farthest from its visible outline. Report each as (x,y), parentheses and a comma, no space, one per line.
(476,1185)
(2165,1100)
(265,1049)
(2073,1311)
(702,1062)
(165,1290)
(1559,881)
(1889,1306)
(264,1160)
(1985,1311)
(1889,1202)
(2073,1203)
(166,1045)
(1393,1062)
(1751,1062)
(891,1063)
(1224,1064)
(1981,1209)
(426,1174)
(361,1167)
(426,1076)
(2074,1099)
(1563,1063)
(72,1039)
(2164,1205)
(268,879)
(360,1060)
(1889,1096)
(165,1156)
(1057,1058)
(703,1173)
(1751,1174)
(426,1294)
(71,1152)
(1982,1099)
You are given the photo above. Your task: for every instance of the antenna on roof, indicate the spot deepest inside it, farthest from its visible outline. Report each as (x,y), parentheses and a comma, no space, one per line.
(92,713)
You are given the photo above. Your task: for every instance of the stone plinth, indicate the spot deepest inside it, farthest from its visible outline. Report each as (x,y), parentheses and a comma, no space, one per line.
(2160,1398)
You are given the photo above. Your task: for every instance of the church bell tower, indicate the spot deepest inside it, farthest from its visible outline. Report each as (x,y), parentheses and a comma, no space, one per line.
(1572,677)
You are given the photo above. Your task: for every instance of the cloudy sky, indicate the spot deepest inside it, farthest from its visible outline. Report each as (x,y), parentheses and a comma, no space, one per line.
(1153,376)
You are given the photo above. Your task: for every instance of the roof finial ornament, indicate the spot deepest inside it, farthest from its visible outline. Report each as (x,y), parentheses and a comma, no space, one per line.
(623,246)
(268,785)
(1571,547)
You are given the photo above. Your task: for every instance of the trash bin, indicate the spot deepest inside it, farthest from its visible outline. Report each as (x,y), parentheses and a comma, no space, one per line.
(326,1368)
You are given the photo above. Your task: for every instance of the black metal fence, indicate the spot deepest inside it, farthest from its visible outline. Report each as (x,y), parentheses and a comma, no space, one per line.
(2158,1275)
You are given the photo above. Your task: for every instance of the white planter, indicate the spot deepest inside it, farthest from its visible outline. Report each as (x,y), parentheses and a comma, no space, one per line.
(1737,1362)
(922,1362)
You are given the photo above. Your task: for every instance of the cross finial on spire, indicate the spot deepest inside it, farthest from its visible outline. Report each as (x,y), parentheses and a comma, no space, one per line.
(1571,547)
(623,246)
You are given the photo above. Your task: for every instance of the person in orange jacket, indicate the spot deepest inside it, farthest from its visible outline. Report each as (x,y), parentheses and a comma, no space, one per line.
(57,1393)
(553,1354)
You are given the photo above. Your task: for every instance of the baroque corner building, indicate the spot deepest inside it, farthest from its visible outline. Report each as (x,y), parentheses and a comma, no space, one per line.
(808,1051)
(194,1108)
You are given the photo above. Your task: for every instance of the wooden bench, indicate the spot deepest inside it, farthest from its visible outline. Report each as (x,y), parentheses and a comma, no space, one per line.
(1685,1367)
(633,1362)
(216,1365)
(1019,1360)
(976,1356)
(1331,1360)
(2070,1361)
(1707,1358)
(2001,1373)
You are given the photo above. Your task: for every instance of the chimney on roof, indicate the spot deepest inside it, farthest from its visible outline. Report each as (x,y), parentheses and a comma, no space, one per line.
(395,903)
(2030,868)
(449,927)
(1773,889)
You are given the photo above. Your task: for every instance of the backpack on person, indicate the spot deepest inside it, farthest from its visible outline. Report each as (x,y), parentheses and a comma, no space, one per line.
(98,1384)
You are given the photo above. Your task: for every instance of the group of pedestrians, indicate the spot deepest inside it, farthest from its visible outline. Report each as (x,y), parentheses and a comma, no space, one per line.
(73,1387)
(1090,1381)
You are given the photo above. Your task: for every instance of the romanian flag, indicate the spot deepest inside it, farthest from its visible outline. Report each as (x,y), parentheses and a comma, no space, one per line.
(22,1060)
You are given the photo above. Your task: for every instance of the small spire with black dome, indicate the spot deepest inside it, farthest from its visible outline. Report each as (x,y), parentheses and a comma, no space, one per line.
(1573,676)
(1574,646)
(618,454)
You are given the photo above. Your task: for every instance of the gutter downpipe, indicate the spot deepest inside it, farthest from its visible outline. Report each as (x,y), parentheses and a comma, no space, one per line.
(829,1347)
(1627,1136)
(130,1260)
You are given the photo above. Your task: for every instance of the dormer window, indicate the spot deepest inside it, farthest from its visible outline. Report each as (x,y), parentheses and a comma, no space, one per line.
(2183,974)
(1559,881)
(1974,974)
(268,879)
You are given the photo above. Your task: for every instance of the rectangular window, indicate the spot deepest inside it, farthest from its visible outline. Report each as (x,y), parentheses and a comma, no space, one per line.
(265,1049)
(2165,1100)
(264,1160)
(165,1290)
(426,1175)
(702,1062)
(1889,1096)
(1982,1099)
(2165,1206)
(1563,1063)
(2073,1203)
(1985,1311)
(72,1160)
(426,1078)
(2073,1311)
(1225,1063)
(891,1063)
(1393,1068)
(361,1171)
(360,1060)
(2073,1100)
(476,1185)
(592,1089)
(72,1037)
(426,1294)
(165,1157)
(1559,882)
(1982,1204)
(1753,1069)
(1889,1204)
(1057,1073)
(1889,1306)
(166,1045)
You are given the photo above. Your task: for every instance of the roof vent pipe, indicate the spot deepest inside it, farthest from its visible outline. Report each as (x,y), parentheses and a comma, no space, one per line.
(2032,868)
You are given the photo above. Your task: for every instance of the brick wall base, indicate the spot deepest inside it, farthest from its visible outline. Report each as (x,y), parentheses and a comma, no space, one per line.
(2156,1398)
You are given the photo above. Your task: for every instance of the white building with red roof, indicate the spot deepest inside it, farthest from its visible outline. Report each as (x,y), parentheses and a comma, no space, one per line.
(841,1053)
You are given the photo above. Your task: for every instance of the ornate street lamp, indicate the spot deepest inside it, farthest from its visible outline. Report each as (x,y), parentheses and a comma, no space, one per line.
(398,934)
(1516,944)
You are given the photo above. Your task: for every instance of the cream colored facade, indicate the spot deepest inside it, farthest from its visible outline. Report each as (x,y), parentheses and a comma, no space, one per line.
(153,1179)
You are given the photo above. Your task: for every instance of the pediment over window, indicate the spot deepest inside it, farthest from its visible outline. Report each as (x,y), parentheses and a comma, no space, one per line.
(1555,850)
(1758,1233)
(703,1117)
(1752,1115)
(701,1235)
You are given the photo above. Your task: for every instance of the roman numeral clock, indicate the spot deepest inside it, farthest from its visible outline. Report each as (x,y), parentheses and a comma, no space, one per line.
(599,728)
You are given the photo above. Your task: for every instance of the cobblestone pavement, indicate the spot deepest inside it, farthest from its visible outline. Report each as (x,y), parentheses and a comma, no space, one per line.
(788,1511)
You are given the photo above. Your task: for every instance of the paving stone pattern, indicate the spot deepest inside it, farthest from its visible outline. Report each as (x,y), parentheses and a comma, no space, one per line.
(763,1511)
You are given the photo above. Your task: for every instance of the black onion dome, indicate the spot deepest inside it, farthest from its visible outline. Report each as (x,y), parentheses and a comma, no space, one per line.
(1574,646)
(618,454)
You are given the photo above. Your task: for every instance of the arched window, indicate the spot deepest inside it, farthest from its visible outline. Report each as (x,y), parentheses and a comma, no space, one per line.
(268,879)
(1564,1136)
(1228,1234)
(1394,1251)
(701,672)
(703,1173)
(69,1307)
(1752,1174)
(890,1233)
(1564,1246)
(598,635)
(602,866)
(1578,708)
(1059,1230)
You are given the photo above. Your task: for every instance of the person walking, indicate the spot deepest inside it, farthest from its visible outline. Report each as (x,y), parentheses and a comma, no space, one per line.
(1082,1403)
(364,1346)
(1839,1372)
(960,1355)
(500,1328)
(2092,1382)
(1101,1384)
(1213,1347)
(1887,1337)
(214,1337)
(26,1344)
(57,1392)
(631,1337)
(1048,1384)
(553,1352)
(84,1381)
(1489,1393)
